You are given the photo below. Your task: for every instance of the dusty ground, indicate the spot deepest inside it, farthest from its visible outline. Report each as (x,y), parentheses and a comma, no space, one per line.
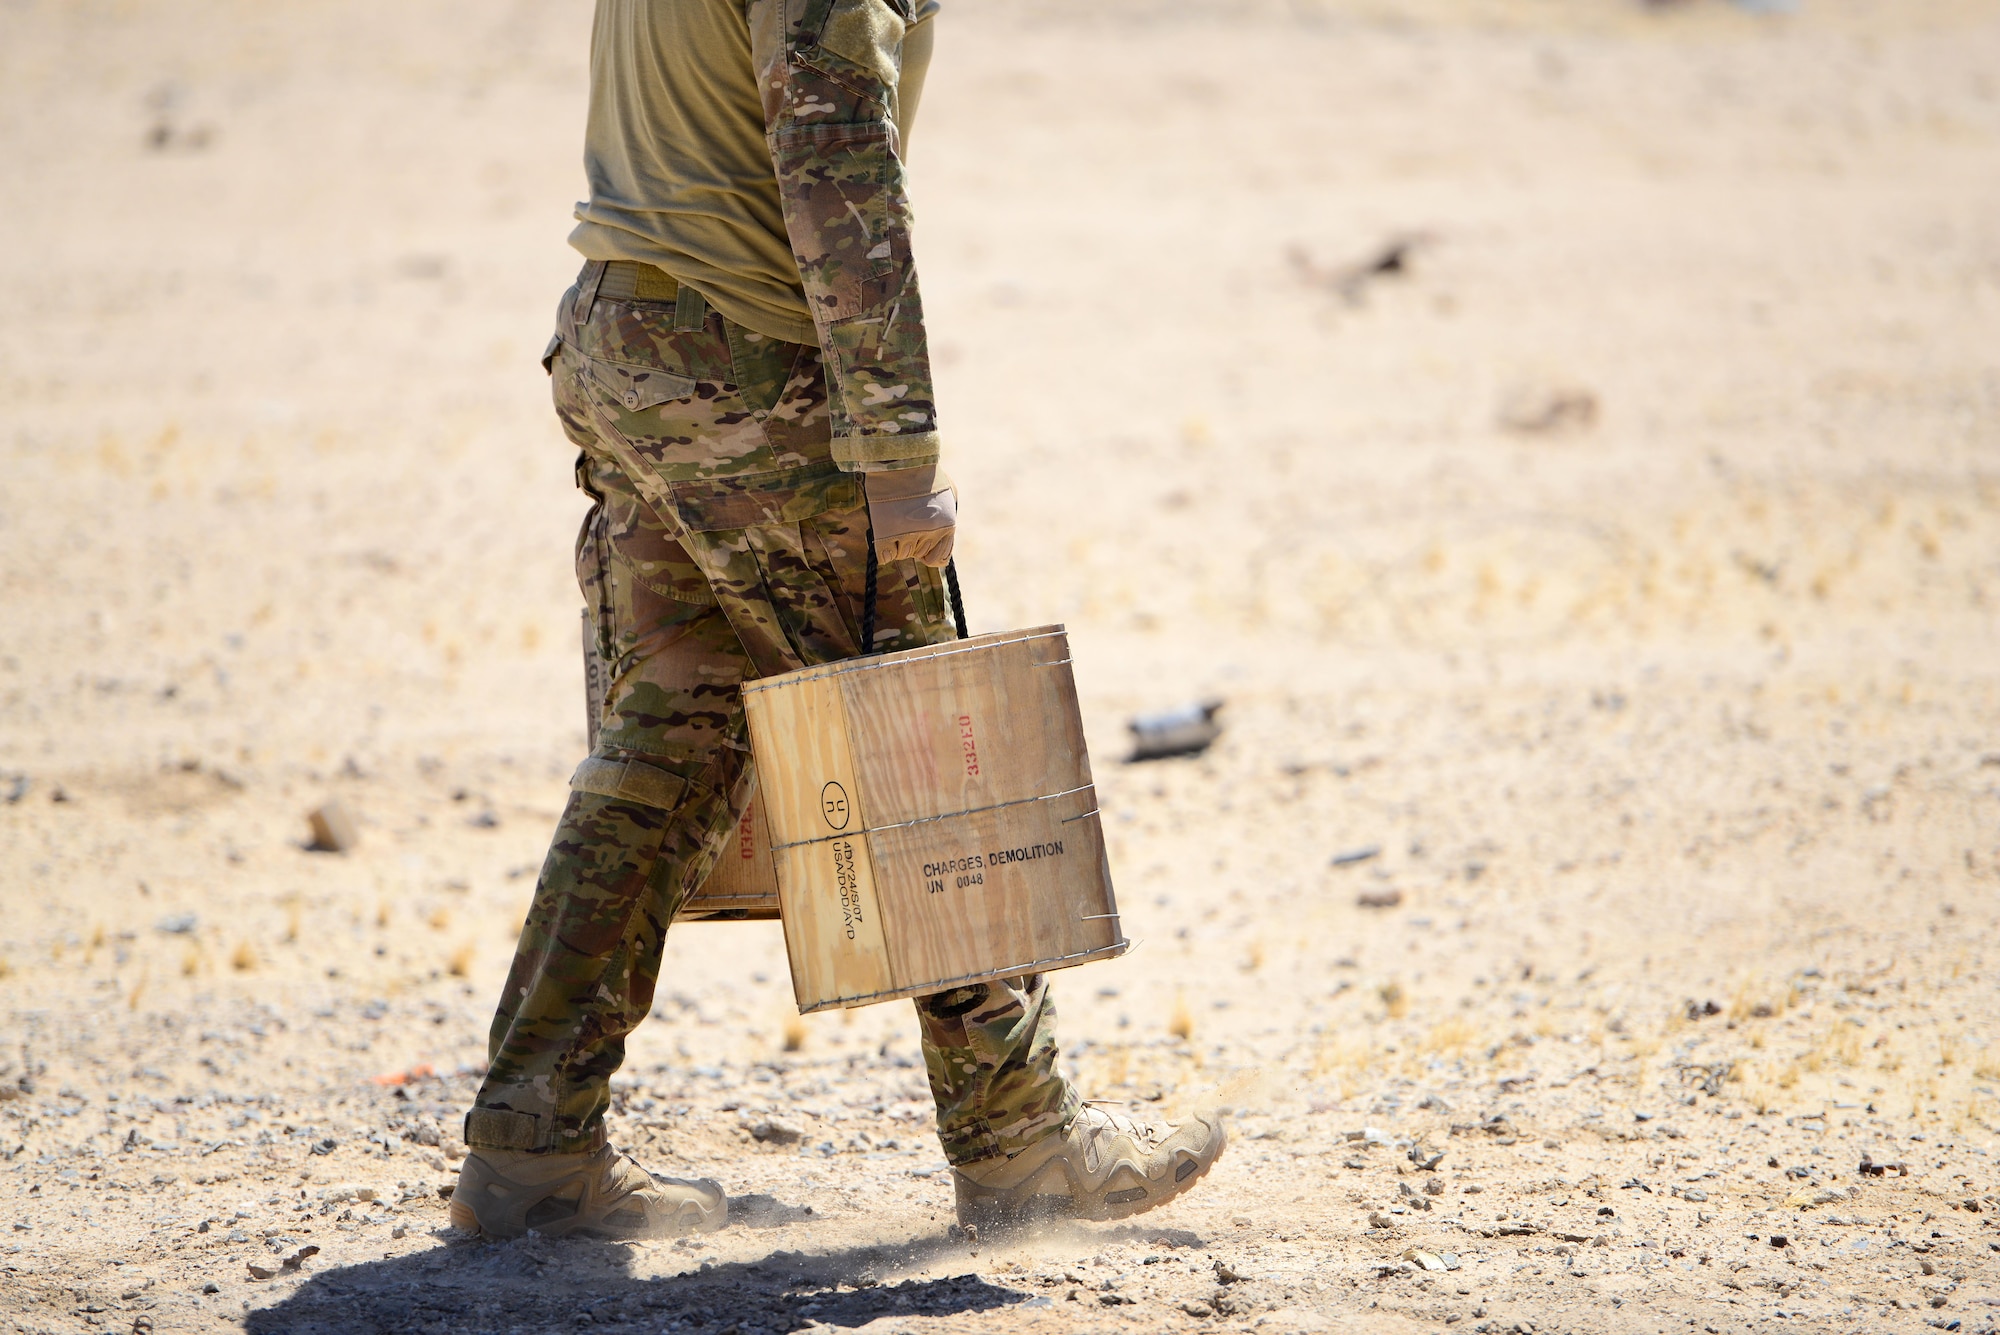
(1624,569)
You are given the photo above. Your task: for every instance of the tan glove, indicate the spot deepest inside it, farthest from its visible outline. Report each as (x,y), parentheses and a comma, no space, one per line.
(915,514)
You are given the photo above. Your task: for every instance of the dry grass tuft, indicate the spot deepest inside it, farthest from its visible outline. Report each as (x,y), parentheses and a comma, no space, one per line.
(1756,1093)
(292,923)
(795,1033)
(1838,1046)
(1181,1024)
(191,961)
(1453,1037)
(382,913)
(244,959)
(1394,999)
(6,969)
(1751,1002)
(440,918)
(461,961)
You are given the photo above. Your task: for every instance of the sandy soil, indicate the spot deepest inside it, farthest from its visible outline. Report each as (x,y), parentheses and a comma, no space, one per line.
(1622,566)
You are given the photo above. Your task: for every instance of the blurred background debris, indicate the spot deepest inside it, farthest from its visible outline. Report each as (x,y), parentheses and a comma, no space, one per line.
(1187,731)
(333,830)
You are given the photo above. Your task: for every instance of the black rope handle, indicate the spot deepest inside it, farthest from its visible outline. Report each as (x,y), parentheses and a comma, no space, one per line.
(869,597)
(957,598)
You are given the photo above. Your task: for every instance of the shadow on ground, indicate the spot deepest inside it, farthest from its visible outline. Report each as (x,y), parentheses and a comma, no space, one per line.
(536,1284)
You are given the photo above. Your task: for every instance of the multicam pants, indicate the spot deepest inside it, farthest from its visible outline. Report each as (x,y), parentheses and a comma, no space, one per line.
(723,544)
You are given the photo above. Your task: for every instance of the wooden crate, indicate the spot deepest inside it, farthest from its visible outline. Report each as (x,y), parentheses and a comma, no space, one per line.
(932,818)
(744,882)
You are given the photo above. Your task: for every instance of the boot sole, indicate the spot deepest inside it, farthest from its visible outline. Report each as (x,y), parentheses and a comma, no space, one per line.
(460,1216)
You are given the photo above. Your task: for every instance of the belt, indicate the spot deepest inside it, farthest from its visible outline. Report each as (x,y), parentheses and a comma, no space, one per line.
(628,280)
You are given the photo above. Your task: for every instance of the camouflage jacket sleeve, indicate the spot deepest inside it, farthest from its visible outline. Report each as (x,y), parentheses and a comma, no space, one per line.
(828,73)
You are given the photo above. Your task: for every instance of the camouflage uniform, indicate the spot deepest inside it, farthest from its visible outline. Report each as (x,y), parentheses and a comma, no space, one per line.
(728,541)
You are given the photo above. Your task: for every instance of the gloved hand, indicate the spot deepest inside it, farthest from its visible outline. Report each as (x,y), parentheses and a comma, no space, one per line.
(915,514)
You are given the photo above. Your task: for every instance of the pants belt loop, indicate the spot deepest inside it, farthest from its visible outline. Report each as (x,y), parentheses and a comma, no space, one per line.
(690,311)
(587,284)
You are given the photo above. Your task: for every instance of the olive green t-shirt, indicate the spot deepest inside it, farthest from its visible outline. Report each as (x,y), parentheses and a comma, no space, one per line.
(679,171)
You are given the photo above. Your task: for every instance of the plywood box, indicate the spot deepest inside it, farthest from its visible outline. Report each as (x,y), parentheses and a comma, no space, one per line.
(744,882)
(932,818)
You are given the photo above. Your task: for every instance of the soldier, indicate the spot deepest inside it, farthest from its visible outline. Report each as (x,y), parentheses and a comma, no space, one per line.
(742,364)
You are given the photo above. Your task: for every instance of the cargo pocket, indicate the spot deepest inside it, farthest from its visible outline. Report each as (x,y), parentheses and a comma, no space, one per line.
(653,586)
(636,388)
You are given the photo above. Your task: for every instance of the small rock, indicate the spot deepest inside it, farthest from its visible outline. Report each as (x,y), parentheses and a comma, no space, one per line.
(1434,1186)
(776,1131)
(1356,855)
(262,1271)
(1778,1240)
(1379,899)
(1376,1219)
(1548,409)
(300,1257)
(1428,1260)
(211,1287)
(333,830)
(400,1231)
(1226,1274)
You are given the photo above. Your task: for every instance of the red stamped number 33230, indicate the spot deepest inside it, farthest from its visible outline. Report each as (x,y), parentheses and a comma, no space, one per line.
(970,747)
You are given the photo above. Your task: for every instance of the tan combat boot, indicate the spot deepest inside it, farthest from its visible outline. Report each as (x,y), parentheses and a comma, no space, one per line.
(596,1194)
(1107,1167)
